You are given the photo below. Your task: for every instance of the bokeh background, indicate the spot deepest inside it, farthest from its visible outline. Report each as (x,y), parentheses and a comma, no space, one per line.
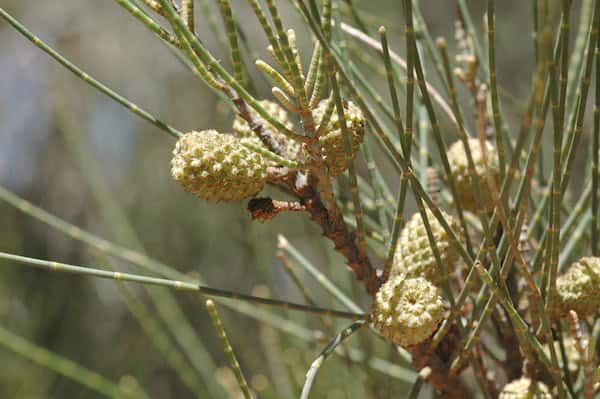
(75,153)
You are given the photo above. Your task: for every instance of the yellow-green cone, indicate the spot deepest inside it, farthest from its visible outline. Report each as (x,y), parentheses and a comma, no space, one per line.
(217,167)
(290,148)
(332,140)
(407,311)
(524,388)
(579,288)
(459,167)
(414,256)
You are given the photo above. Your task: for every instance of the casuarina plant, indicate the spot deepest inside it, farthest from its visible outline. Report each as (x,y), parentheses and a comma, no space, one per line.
(465,215)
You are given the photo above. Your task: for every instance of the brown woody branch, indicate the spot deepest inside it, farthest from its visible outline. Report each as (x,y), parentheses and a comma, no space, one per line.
(303,186)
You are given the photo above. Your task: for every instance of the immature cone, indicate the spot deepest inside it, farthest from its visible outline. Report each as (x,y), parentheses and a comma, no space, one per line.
(524,388)
(407,311)
(290,149)
(414,256)
(579,288)
(459,166)
(332,140)
(217,167)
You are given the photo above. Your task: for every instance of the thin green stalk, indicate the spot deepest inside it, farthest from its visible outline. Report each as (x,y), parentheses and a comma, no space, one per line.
(442,269)
(295,75)
(468,21)
(564,67)
(377,183)
(330,287)
(497,116)
(234,47)
(175,284)
(218,70)
(399,61)
(266,26)
(213,22)
(64,366)
(144,261)
(329,349)
(140,15)
(358,213)
(169,311)
(412,49)
(86,77)
(161,341)
(520,326)
(313,67)
(595,154)
(392,89)
(575,240)
(233,362)
(415,389)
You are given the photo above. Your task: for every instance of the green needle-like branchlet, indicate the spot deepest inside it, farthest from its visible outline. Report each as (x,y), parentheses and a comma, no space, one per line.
(233,362)
(175,284)
(65,367)
(86,77)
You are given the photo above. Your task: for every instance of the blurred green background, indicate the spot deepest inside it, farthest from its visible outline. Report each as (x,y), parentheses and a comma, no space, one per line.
(73,152)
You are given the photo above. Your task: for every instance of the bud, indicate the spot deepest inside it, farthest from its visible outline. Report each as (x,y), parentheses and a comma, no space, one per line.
(290,149)
(459,166)
(524,388)
(332,140)
(579,288)
(217,167)
(414,256)
(407,311)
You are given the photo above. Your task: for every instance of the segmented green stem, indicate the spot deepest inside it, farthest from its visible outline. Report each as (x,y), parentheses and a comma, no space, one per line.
(311,76)
(329,349)
(497,116)
(64,367)
(275,76)
(329,286)
(270,155)
(187,14)
(264,23)
(358,213)
(141,16)
(520,326)
(86,77)
(295,74)
(468,21)
(176,284)
(377,184)
(219,71)
(161,340)
(595,154)
(234,47)
(233,362)
(392,89)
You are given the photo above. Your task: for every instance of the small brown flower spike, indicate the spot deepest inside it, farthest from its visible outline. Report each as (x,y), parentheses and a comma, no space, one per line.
(579,288)
(407,311)
(524,388)
(459,166)
(414,256)
(217,167)
(332,140)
